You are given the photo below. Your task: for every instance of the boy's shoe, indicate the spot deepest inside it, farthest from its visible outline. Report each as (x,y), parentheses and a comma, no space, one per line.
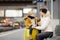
(30,37)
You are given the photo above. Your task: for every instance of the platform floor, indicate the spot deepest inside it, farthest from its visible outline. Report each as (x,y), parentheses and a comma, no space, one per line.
(12,35)
(17,35)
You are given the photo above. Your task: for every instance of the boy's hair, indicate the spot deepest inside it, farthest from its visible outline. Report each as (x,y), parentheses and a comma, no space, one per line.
(44,10)
(30,13)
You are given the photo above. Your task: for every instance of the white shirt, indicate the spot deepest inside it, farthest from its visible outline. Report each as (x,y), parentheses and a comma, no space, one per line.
(45,25)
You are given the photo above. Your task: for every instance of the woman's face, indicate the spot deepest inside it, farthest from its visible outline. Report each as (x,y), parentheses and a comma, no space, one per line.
(41,13)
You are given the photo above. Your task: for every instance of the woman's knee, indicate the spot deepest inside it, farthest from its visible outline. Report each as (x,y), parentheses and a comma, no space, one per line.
(39,37)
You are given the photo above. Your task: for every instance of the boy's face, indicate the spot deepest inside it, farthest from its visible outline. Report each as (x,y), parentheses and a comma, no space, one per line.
(32,15)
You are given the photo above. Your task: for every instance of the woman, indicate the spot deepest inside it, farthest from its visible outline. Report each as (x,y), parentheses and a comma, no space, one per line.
(45,27)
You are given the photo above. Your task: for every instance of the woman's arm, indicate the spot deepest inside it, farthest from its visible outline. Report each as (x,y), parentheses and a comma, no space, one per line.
(44,24)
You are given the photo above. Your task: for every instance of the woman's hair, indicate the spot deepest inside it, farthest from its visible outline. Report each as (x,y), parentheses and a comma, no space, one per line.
(44,10)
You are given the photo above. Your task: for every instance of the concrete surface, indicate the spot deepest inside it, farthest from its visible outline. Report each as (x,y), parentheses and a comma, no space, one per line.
(12,35)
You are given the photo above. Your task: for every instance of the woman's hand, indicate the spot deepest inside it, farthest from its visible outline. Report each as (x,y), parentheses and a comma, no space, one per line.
(33,26)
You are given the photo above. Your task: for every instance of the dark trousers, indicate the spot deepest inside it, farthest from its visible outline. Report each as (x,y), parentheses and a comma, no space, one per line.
(42,36)
(31,30)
